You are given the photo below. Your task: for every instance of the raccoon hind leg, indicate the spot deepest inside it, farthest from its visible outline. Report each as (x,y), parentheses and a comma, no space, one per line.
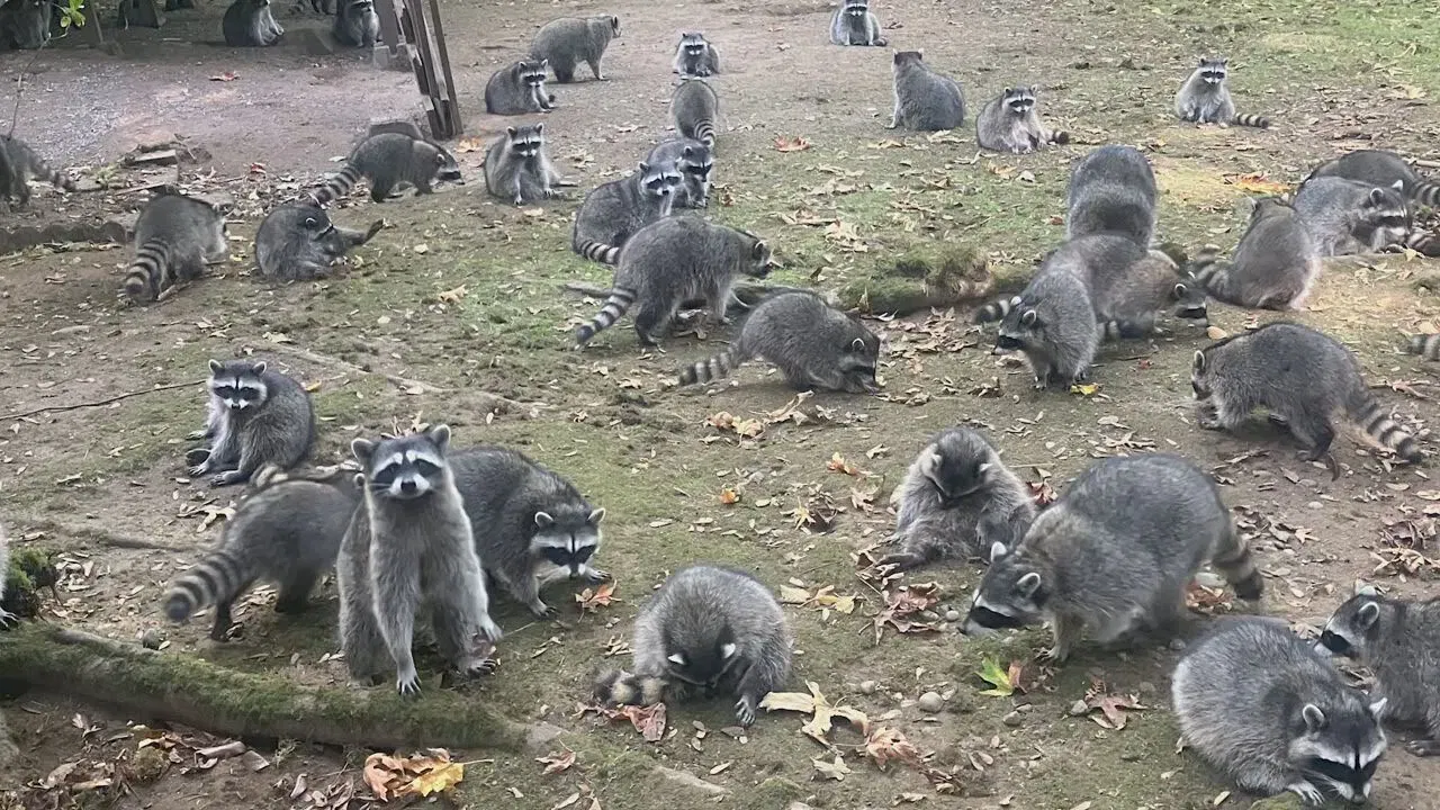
(458,620)
(220,628)
(295,591)
(1315,435)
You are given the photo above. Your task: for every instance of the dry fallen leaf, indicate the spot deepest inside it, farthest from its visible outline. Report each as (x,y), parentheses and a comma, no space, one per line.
(1215,333)
(591,600)
(744,428)
(470,145)
(1257,183)
(836,770)
(557,763)
(227,76)
(838,464)
(729,496)
(815,703)
(788,143)
(1112,707)
(903,606)
(453,296)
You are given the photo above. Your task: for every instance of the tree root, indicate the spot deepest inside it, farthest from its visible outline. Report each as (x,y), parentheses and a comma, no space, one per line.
(99,535)
(745,295)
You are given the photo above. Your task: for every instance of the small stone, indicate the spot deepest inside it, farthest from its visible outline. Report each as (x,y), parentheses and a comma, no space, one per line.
(868,687)
(1013,719)
(1177,644)
(1079,709)
(152,639)
(930,702)
(952,615)
(1147,688)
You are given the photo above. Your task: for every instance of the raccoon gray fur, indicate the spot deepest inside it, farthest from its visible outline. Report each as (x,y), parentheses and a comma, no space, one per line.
(531,524)
(1259,705)
(1129,285)
(854,24)
(1347,216)
(1112,189)
(709,630)
(568,41)
(1305,379)
(25,24)
(300,243)
(285,530)
(1114,555)
(1274,267)
(1011,124)
(1378,167)
(249,23)
(356,24)
(1053,323)
(925,101)
(1204,98)
(409,546)
(388,159)
(518,168)
(695,56)
(615,211)
(958,500)
(175,237)
(673,261)
(694,161)
(257,416)
(1399,641)
(694,108)
(18,163)
(1427,346)
(813,344)
(519,89)
(7,619)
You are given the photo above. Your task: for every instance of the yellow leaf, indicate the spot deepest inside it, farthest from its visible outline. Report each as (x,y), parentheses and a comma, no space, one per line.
(470,145)
(788,702)
(793,596)
(438,780)
(729,496)
(1086,390)
(380,770)
(791,144)
(1215,333)
(1257,183)
(453,296)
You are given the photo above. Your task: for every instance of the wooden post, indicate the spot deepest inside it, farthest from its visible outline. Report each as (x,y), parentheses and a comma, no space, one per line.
(413,36)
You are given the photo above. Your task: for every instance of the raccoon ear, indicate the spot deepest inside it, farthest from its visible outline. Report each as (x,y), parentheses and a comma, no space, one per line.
(985,467)
(216,366)
(727,650)
(929,462)
(544,63)
(543,520)
(997,550)
(1378,707)
(1029,317)
(1367,616)
(259,368)
(677,659)
(1377,196)
(857,345)
(596,516)
(1252,203)
(440,435)
(1028,584)
(362,449)
(1007,91)
(540,129)
(1015,301)
(644,167)
(360,480)
(1314,718)
(1398,185)
(1180,291)
(688,151)
(1199,364)
(758,252)
(1034,89)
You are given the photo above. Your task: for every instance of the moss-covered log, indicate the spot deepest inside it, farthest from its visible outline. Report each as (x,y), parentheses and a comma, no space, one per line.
(923,277)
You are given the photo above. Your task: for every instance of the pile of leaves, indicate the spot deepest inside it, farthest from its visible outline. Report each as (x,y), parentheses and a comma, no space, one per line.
(395,777)
(905,607)
(648,720)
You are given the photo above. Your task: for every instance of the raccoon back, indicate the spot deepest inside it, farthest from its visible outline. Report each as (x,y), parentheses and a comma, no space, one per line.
(694,108)
(695,607)
(1112,189)
(928,101)
(502,490)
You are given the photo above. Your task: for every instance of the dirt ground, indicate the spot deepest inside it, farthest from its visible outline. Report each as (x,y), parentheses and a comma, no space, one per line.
(460,299)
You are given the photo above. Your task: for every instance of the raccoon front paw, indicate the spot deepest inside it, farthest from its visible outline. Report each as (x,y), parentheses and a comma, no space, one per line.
(1056,654)
(197,435)
(1307,792)
(1208,418)
(408,684)
(595,576)
(227,478)
(199,469)
(1423,748)
(490,631)
(542,610)
(745,711)
(8,619)
(519,200)
(475,666)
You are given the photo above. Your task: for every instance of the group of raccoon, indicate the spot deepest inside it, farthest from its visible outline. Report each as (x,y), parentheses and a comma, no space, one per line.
(250,23)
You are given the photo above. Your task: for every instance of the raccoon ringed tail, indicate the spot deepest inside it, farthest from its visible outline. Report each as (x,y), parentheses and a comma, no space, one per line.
(1237,565)
(217,578)
(267,475)
(1121,329)
(1423,242)
(615,306)
(705,133)
(1251,120)
(599,252)
(1059,136)
(1366,411)
(337,186)
(1427,346)
(149,271)
(1428,193)
(54,177)
(617,687)
(721,365)
(995,310)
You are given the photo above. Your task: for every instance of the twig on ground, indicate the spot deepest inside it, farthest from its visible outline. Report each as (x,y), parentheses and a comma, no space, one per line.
(101,402)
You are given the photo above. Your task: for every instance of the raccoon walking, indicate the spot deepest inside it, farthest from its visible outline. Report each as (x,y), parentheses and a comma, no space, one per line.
(256,417)
(958,500)
(568,41)
(18,163)
(695,56)
(693,161)
(25,24)
(1346,216)
(1204,98)
(925,101)
(854,24)
(615,211)
(673,261)
(175,237)
(1274,267)
(1114,555)
(1112,189)
(410,545)
(694,108)
(356,24)
(1305,379)
(1052,322)
(387,160)
(300,243)
(249,23)
(813,344)
(519,89)
(1259,705)
(518,167)
(709,630)
(287,530)
(1010,123)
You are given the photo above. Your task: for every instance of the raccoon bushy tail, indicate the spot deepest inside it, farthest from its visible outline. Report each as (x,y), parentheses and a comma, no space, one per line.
(1424,242)
(615,306)
(1237,565)
(995,310)
(1213,273)
(337,186)
(1427,346)
(1376,421)
(215,579)
(1427,192)
(717,367)
(599,252)
(705,132)
(620,688)
(1251,120)
(149,272)
(42,170)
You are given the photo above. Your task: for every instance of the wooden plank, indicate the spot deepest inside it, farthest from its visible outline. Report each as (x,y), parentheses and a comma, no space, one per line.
(413,21)
(389,25)
(457,127)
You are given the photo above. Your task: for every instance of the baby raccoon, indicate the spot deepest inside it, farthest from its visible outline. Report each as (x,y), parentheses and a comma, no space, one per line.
(25,24)
(694,161)
(708,630)
(1398,641)
(1114,555)
(694,108)
(1347,216)
(925,101)
(957,500)
(300,243)
(1257,704)
(854,24)
(389,159)
(249,23)
(1275,264)
(1053,323)
(1204,99)
(18,163)
(1380,168)
(569,41)
(518,168)
(356,24)
(673,261)
(175,237)
(615,211)
(257,417)
(1112,189)
(814,345)
(1306,380)
(1011,124)
(519,89)
(695,56)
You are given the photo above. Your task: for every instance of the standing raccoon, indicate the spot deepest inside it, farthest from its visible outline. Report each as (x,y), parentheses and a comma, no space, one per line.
(613,212)
(568,41)
(957,500)
(175,237)
(925,101)
(18,163)
(356,24)
(531,524)
(693,161)
(249,23)
(1260,706)
(300,243)
(813,344)
(1274,267)
(519,89)
(694,108)
(1011,124)
(1204,99)
(387,160)
(518,168)
(408,547)
(854,24)
(1114,555)
(1053,324)
(675,260)
(710,630)
(1306,380)
(25,24)
(287,530)
(1399,641)
(695,56)
(1347,216)
(256,417)
(1112,189)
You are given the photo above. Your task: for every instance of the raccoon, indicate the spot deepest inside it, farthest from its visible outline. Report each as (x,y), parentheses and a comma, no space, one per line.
(18,163)
(1380,168)
(694,161)
(249,23)
(531,524)
(925,101)
(1129,285)
(175,237)
(1112,189)
(1257,704)
(958,499)
(285,530)
(1204,99)
(410,545)
(1114,555)
(854,24)
(670,262)
(1398,641)
(1011,124)
(708,630)
(7,619)
(25,24)
(356,24)
(257,416)
(1275,264)
(1305,379)
(1346,216)
(519,89)
(614,211)
(1051,321)
(389,159)
(695,56)
(814,345)
(1426,346)
(300,243)
(518,167)
(568,41)
(694,108)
